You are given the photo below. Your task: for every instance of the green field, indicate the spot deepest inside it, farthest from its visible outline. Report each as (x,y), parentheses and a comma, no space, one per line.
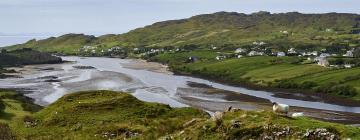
(283,72)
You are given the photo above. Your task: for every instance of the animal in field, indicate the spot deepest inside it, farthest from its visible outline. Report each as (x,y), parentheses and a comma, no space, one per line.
(280,108)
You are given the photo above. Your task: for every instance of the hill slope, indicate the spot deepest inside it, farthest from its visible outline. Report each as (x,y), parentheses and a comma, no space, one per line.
(222,29)
(114,115)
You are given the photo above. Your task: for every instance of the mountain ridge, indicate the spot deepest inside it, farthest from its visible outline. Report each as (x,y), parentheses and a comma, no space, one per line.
(219,29)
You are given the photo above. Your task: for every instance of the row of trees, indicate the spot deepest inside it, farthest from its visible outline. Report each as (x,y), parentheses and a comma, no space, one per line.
(331,88)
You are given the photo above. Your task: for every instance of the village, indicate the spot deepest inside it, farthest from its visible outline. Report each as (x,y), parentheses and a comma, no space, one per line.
(343,59)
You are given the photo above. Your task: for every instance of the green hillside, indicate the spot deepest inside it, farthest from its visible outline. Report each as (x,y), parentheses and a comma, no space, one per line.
(267,71)
(115,115)
(26,57)
(224,30)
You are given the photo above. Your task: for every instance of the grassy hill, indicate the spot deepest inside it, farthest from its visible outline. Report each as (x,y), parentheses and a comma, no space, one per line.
(268,71)
(226,30)
(115,115)
(26,57)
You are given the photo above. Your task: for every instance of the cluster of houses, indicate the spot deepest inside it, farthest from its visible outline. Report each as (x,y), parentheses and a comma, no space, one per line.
(319,58)
(88,49)
(94,50)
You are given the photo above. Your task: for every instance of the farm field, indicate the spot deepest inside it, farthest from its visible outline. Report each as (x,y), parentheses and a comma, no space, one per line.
(266,71)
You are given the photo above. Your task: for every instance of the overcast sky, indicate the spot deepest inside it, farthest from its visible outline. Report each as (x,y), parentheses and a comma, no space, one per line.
(118,16)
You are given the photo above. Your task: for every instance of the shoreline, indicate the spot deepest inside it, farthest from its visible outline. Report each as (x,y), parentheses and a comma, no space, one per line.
(212,98)
(247,102)
(285,93)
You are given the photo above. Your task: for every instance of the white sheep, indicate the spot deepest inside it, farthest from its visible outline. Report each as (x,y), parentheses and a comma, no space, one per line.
(280,108)
(297,114)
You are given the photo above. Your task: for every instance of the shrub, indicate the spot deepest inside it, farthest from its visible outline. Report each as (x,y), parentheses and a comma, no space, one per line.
(308,85)
(287,84)
(343,90)
(5,132)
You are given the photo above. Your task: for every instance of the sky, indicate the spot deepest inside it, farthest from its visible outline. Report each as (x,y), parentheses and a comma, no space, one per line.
(29,17)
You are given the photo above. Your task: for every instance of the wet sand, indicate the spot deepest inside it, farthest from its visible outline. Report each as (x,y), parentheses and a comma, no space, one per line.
(144,65)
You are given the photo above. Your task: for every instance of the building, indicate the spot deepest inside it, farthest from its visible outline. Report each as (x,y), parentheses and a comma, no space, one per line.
(220,57)
(349,54)
(193,59)
(281,54)
(259,43)
(314,53)
(322,61)
(292,51)
(324,55)
(255,53)
(284,32)
(349,65)
(240,50)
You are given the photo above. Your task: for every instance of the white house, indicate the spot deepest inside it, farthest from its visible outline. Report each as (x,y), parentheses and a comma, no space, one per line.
(292,51)
(324,55)
(328,30)
(254,53)
(315,53)
(220,57)
(281,54)
(240,50)
(284,32)
(349,54)
(322,61)
(259,43)
(349,65)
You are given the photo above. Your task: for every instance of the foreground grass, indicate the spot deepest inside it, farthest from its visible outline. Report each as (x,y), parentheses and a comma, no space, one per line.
(117,115)
(105,114)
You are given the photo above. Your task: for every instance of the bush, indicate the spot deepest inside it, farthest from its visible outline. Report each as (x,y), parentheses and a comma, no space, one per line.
(342,90)
(287,84)
(2,107)
(308,85)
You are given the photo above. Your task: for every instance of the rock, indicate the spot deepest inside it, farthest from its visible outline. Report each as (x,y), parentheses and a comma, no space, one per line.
(235,124)
(218,118)
(29,122)
(76,127)
(320,133)
(84,67)
(130,134)
(228,109)
(191,122)
(231,109)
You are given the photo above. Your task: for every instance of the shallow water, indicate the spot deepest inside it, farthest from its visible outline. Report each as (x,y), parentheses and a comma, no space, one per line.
(143,84)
